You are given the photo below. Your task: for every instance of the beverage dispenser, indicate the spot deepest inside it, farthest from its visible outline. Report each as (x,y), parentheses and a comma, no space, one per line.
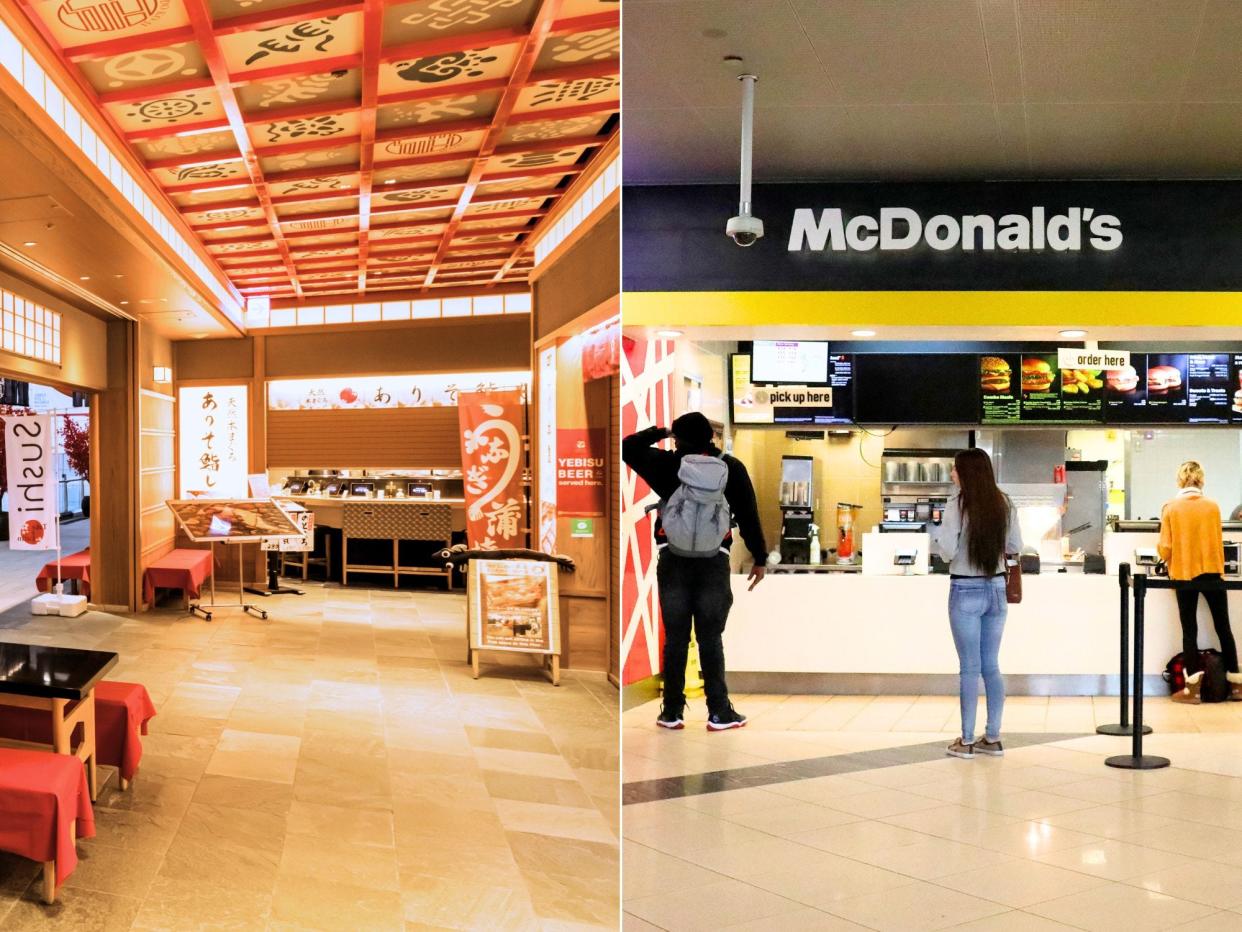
(797,501)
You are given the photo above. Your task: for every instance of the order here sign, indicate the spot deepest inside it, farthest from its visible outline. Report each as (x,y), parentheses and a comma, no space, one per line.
(1092,359)
(580,471)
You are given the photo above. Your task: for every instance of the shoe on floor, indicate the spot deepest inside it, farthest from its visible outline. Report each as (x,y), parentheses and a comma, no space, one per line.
(991,748)
(960,748)
(670,719)
(723,721)
(1235,686)
(1190,694)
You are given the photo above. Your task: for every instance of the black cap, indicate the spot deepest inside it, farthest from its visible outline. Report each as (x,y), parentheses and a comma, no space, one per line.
(693,431)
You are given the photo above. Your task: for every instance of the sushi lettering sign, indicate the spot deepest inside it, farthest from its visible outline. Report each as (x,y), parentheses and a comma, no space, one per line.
(1092,359)
(30,455)
(213,441)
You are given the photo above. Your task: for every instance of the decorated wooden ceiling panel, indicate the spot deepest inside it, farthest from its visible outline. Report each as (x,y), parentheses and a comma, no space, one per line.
(292,134)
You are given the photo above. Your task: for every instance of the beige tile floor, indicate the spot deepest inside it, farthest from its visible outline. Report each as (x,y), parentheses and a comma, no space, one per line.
(18,568)
(1044,838)
(336,767)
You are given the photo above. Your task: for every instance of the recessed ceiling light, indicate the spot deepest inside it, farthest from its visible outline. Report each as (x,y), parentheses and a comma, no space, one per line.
(30,243)
(391,181)
(862,333)
(125,302)
(118,275)
(1073,334)
(84,278)
(669,334)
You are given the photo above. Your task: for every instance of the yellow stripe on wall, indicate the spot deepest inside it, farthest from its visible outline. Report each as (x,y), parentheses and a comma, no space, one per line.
(933,308)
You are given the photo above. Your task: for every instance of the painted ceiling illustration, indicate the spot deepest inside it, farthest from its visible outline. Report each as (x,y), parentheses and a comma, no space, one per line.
(339,146)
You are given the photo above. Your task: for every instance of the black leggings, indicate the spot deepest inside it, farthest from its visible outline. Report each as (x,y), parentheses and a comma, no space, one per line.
(1187,608)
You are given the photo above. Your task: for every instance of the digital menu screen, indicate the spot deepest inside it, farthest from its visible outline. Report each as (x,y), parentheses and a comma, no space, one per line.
(1030,388)
(1171,388)
(915,388)
(790,362)
(830,401)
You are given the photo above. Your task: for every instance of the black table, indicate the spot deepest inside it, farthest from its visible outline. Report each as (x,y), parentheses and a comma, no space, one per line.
(59,680)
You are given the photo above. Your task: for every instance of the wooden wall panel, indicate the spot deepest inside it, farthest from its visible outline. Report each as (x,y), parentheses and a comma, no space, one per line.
(614,529)
(585,629)
(479,345)
(155,413)
(156,448)
(585,277)
(158,485)
(396,438)
(157,470)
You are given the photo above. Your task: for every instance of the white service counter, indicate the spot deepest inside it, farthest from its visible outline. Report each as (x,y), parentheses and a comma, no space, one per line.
(1066,626)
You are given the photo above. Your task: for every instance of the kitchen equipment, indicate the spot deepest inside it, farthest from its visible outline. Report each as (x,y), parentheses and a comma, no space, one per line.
(1086,505)
(1233,558)
(846,514)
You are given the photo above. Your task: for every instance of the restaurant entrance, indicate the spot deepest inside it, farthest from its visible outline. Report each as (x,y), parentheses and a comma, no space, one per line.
(30,566)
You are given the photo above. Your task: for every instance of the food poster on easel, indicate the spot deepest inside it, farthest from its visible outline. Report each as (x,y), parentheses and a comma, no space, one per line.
(513,606)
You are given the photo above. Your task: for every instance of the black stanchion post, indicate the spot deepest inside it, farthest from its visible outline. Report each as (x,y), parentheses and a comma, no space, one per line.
(1124,579)
(1136,760)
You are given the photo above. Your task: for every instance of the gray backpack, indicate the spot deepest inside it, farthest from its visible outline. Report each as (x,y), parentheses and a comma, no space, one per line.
(696,517)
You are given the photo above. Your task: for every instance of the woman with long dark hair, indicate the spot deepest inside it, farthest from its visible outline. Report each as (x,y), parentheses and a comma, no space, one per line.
(979,530)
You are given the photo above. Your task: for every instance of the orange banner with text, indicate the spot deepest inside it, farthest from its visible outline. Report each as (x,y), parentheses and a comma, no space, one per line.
(491,464)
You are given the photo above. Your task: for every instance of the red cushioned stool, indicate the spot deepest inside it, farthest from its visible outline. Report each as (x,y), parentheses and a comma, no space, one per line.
(122,711)
(45,806)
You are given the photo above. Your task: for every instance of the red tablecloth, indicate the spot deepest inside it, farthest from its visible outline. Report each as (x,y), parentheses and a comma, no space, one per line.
(177,569)
(40,795)
(74,566)
(122,711)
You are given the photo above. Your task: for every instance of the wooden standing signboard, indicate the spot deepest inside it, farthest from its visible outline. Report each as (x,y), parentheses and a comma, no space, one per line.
(513,606)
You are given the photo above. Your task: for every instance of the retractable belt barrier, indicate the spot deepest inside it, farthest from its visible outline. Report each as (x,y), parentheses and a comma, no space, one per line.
(1141,583)
(1124,727)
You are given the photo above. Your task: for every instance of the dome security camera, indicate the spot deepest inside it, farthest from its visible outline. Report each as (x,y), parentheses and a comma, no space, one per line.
(744,230)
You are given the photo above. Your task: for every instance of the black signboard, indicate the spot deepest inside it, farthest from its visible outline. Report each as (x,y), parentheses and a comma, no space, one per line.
(916,389)
(976,236)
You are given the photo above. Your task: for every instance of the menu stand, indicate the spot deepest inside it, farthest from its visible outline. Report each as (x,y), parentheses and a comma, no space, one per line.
(1124,728)
(1137,760)
(199,608)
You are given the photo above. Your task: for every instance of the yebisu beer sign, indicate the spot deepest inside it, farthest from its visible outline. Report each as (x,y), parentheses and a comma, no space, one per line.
(1066,236)
(901,228)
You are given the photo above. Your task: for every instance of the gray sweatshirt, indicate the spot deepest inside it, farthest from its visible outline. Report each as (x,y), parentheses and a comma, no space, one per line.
(950,540)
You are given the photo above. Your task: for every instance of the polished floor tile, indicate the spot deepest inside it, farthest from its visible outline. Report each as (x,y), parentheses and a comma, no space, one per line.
(337,767)
(844,813)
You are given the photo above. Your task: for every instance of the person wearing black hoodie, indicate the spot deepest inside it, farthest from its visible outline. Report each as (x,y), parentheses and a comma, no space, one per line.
(695,591)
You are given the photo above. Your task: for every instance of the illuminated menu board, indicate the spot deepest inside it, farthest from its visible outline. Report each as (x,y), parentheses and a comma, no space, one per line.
(830,402)
(1030,388)
(1173,388)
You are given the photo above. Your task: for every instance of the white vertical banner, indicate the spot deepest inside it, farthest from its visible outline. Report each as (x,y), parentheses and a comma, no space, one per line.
(213,441)
(30,454)
(547,449)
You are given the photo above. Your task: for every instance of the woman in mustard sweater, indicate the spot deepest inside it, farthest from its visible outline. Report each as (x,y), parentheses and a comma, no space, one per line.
(1191,545)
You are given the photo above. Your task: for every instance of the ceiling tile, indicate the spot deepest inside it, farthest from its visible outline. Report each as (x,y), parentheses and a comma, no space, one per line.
(1075,52)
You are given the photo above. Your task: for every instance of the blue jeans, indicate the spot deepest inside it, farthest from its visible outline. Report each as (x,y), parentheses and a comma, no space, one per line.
(977,610)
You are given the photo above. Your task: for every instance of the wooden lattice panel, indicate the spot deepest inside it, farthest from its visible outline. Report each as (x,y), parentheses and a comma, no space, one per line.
(289,131)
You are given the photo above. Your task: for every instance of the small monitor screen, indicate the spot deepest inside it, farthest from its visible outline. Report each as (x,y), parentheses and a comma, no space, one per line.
(915,389)
(793,362)
(295,485)
(331,488)
(418,489)
(361,488)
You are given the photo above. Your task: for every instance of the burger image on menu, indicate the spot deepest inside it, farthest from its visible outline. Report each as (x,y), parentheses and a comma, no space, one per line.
(1037,375)
(1123,381)
(1163,380)
(995,376)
